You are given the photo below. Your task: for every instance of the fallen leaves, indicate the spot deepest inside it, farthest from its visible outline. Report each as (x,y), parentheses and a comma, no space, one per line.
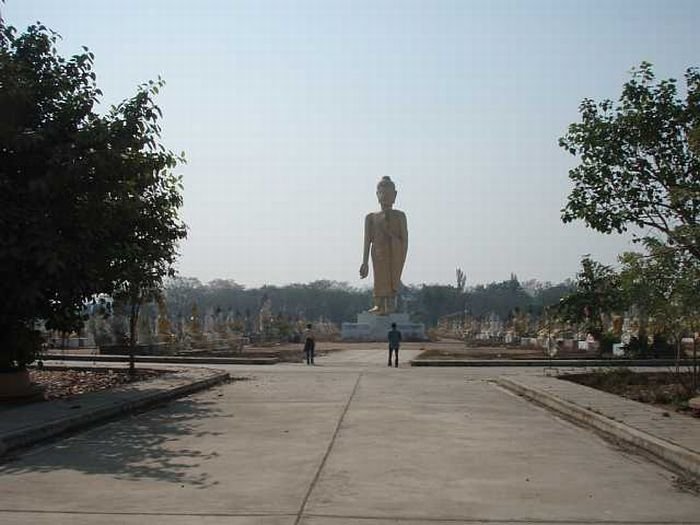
(61,384)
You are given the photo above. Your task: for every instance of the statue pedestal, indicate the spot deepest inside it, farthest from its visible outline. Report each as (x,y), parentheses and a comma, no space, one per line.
(374,327)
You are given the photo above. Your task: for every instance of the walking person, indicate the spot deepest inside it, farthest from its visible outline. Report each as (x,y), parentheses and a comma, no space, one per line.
(394,337)
(309,344)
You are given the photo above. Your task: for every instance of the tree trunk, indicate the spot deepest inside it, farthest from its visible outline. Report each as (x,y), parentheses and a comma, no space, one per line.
(133,321)
(695,365)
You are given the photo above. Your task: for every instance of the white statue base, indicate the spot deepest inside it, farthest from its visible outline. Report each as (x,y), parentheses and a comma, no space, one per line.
(374,327)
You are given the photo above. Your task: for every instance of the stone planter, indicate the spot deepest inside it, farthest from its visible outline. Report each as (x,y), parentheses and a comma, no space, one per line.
(17,385)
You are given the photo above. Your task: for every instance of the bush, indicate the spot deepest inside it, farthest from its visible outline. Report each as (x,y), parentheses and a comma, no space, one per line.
(639,348)
(21,345)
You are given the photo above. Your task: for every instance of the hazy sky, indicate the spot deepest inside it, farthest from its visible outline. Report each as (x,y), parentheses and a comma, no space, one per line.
(290,111)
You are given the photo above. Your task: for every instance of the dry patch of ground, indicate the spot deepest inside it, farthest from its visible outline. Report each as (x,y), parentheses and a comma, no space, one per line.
(495,352)
(667,390)
(64,383)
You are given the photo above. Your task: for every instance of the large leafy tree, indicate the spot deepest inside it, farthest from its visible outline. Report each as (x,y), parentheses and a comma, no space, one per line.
(640,161)
(88,202)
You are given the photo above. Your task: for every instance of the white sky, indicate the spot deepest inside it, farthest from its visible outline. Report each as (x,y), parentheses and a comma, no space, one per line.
(290,112)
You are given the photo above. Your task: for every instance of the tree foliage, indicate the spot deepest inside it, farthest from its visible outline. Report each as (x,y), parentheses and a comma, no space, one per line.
(639,160)
(659,288)
(596,293)
(501,298)
(88,202)
(664,285)
(429,302)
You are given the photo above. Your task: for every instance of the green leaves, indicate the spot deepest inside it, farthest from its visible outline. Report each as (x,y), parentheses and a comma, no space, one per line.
(639,160)
(597,292)
(661,285)
(88,203)
(664,284)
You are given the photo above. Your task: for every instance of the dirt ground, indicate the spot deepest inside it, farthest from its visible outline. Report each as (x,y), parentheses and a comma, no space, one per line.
(667,390)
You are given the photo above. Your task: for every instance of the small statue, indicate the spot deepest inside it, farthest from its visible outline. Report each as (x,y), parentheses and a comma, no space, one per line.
(265,313)
(386,236)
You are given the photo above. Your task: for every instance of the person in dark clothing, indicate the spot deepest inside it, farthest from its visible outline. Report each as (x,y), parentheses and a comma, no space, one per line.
(394,337)
(309,344)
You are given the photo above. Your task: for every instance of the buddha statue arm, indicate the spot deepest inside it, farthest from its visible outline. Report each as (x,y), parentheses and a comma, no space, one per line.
(364,268)
(404,235)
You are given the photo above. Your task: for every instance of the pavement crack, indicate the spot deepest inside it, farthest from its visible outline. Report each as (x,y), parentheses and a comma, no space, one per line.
(143,513)
(495,521)
(314,481)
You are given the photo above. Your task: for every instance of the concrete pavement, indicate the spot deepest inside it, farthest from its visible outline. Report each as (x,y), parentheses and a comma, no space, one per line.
(348,442)
(25,425)
(665,436)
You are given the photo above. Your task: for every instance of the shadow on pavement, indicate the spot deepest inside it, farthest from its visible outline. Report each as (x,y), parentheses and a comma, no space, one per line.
(147,445)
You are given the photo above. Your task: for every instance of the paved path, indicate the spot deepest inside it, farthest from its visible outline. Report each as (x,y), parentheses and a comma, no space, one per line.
(348,442)
(666,436)
(368,357)
(668,426)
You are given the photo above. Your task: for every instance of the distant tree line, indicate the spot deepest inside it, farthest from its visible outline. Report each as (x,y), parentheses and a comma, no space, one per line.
(430,302)
(338,301)
(330,300)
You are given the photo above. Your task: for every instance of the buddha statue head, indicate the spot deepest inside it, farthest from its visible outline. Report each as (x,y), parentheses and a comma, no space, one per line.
(386,193)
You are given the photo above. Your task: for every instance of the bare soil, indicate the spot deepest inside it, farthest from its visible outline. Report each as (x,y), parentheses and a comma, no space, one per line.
(667,390)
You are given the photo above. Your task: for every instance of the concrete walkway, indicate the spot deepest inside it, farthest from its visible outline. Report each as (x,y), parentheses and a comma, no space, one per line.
(27,424)
(348,442)
(665,435)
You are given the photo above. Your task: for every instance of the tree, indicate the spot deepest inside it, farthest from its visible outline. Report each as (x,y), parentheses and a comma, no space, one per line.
(150,200)
(181,292)
(433,301)
(461,279)
(85,200)
(640,164)
(596,293)
(550,295)
(664,284)
(500,298)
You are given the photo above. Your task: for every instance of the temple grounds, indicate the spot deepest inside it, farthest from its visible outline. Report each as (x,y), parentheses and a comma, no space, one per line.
(348,441)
